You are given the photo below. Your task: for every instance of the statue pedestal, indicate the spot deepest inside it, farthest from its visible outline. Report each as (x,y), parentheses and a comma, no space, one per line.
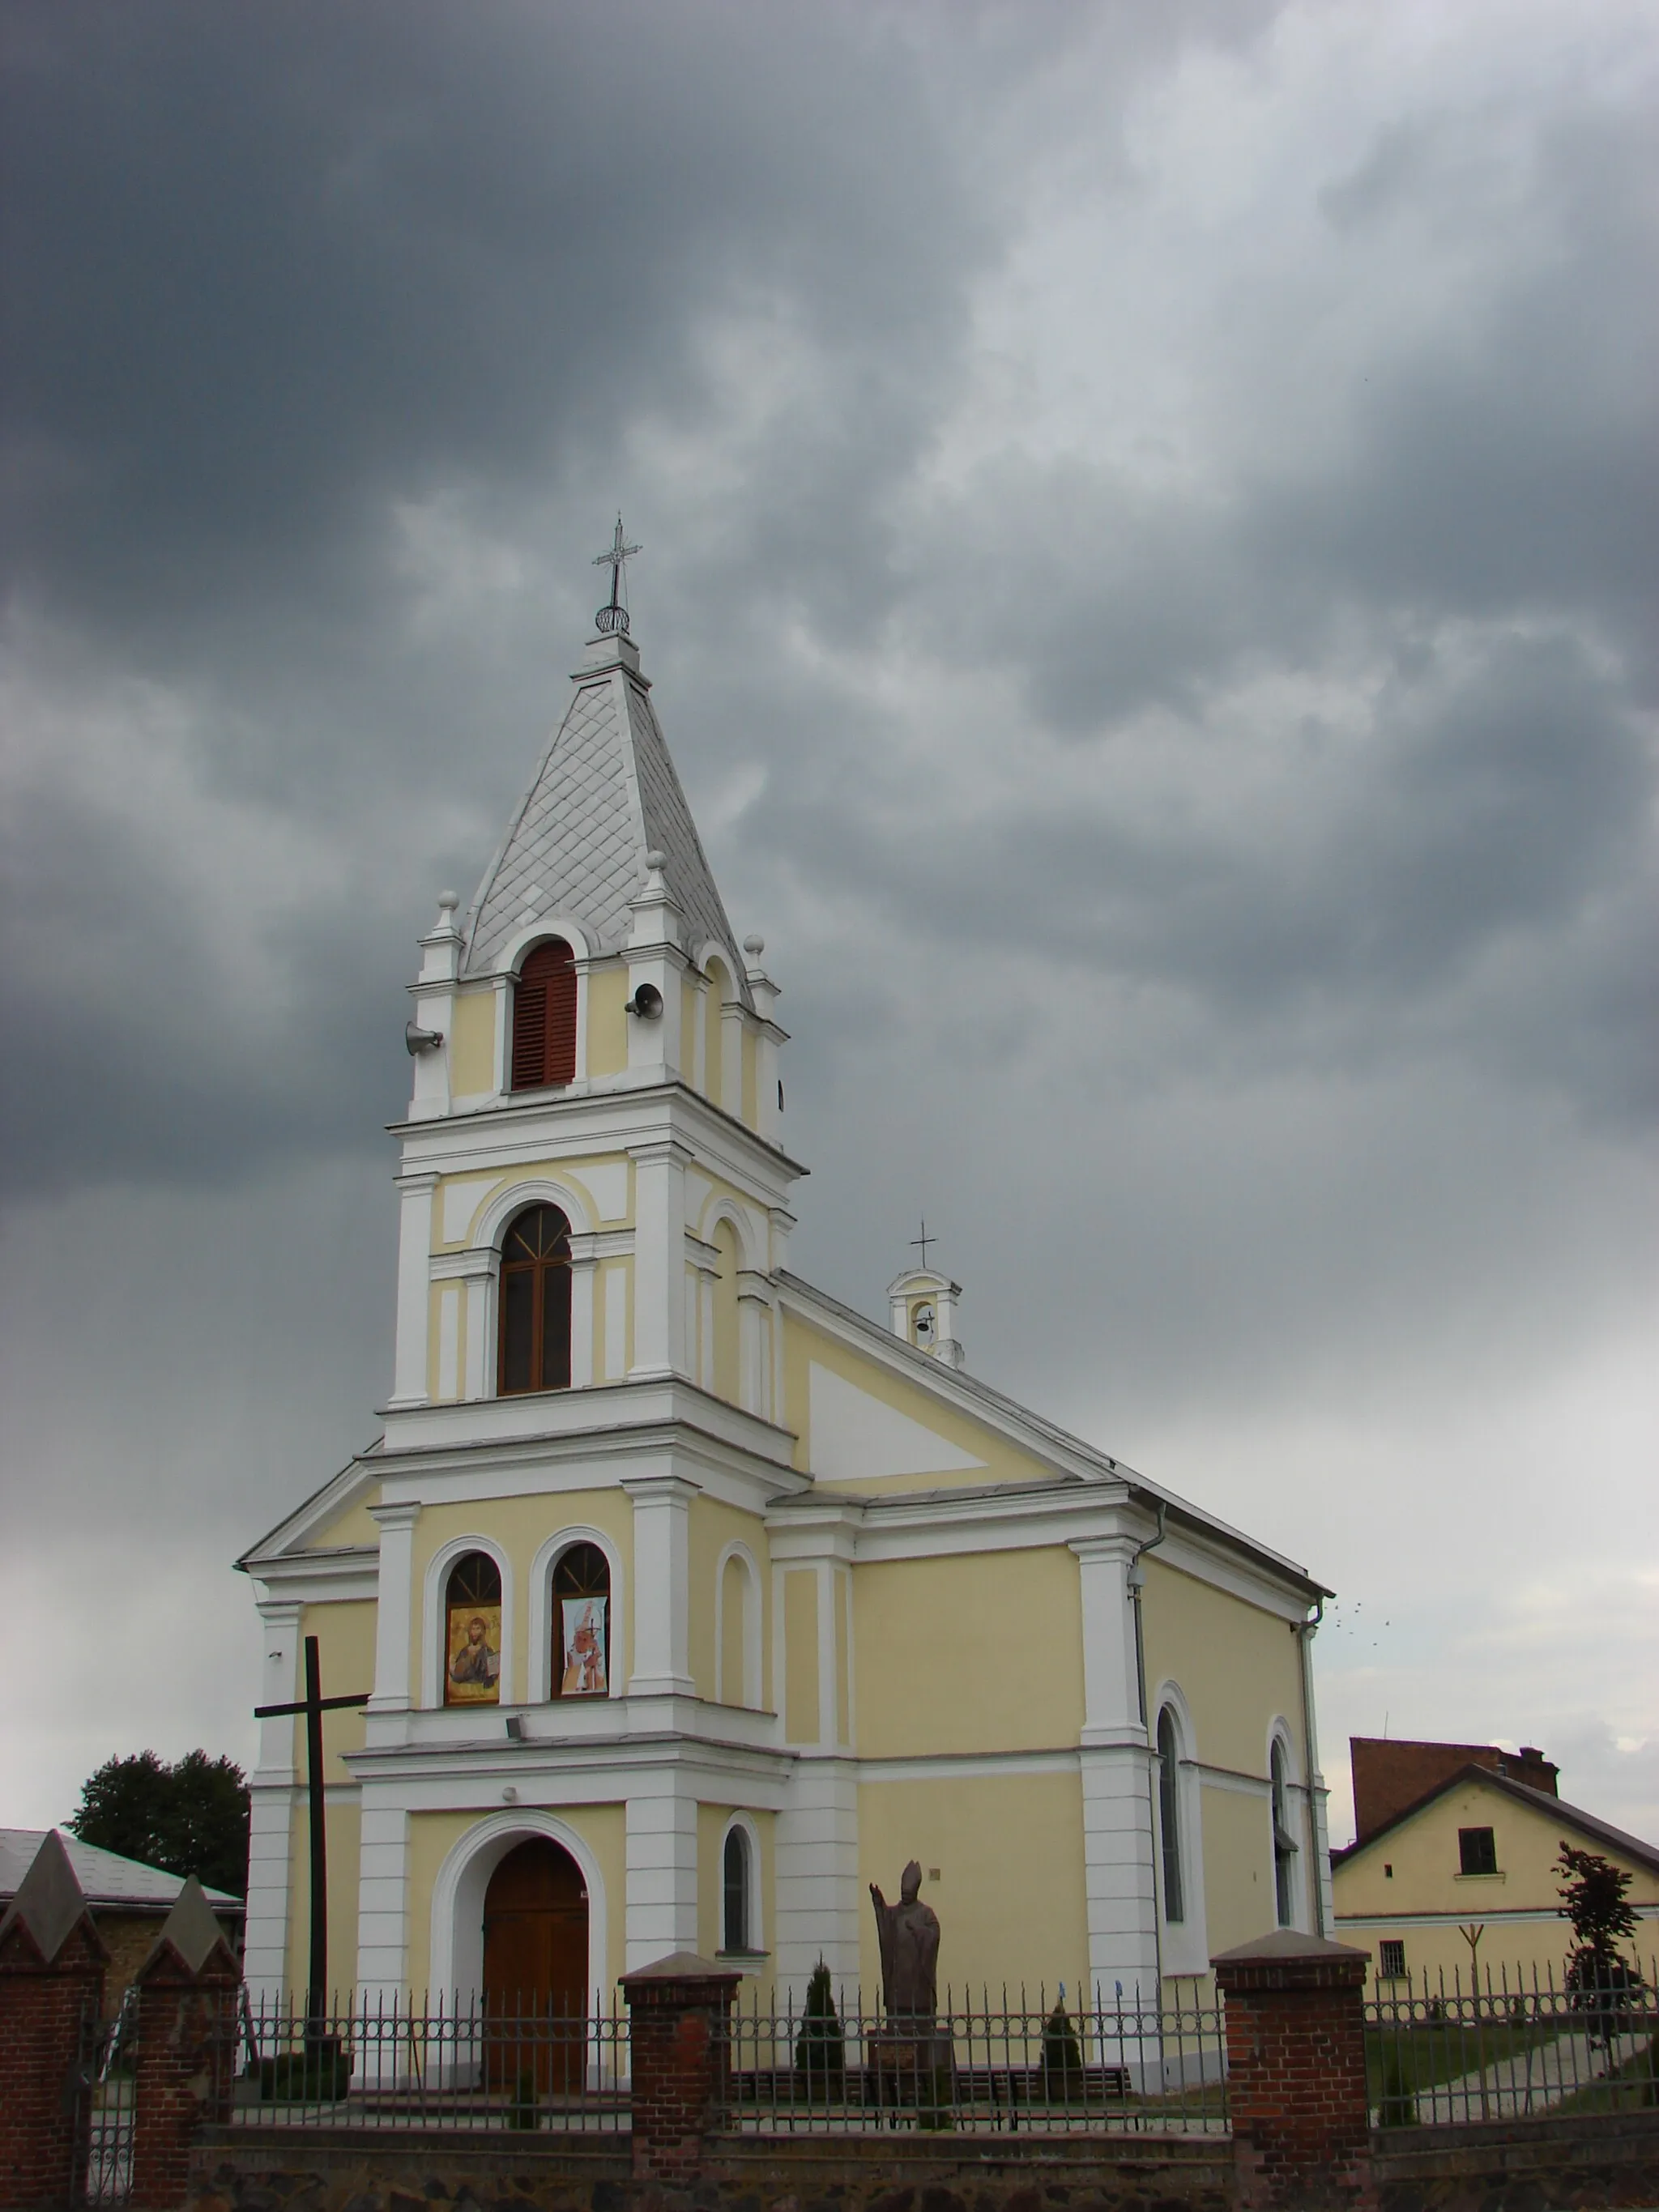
(912,2064)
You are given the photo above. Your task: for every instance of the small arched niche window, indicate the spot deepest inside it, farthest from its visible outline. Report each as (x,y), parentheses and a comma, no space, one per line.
(736,1892)
(1283,1841)
(473,1632)
(582,1623)
(534,1332)
(1168,1816)
(545,1017)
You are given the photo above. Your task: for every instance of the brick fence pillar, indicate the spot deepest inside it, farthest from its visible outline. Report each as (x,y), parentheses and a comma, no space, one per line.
(681,2060)
(186,2047)
(1295,2070)
(51,1986)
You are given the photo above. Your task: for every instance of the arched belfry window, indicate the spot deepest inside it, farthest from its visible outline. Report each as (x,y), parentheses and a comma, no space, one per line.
(545,1018)
(582,1623)
(473,1632)
(737,1890)
(535,1303)
(1284,1842)
(1169,1817)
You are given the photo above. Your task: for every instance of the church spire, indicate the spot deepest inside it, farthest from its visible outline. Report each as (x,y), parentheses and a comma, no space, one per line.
(604,795)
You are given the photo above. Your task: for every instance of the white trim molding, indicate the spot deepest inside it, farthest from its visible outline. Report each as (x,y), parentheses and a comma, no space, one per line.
(753,1942)
(458,1900)
(1185,1947)
(750,1684)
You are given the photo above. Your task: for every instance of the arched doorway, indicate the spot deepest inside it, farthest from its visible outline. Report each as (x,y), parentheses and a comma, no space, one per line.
(535,1968)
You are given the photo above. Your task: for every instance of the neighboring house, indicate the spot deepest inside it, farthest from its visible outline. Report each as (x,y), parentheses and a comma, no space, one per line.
(1464,1872)
(691,1602)
(128,1899)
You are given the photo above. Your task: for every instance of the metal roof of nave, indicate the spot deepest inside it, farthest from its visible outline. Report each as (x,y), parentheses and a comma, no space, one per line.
(604,795)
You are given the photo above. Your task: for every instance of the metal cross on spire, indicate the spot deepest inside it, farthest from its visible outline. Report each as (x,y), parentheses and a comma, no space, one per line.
(924,1240)
(615,617)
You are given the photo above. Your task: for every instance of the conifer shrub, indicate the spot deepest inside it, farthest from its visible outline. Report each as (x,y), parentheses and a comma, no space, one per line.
(821,2046)
(1062,2055)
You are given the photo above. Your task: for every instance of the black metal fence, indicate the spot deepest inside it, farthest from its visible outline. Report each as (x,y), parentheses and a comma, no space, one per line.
(104,2083)
(1512,2045)
(997,2065)
(500,2063)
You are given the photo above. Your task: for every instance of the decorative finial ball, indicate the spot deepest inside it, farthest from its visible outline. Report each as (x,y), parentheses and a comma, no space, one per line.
(654,859)
(754,946)
(447,901)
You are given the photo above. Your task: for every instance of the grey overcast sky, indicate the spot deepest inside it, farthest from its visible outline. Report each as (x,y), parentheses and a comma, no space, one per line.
(1149,520)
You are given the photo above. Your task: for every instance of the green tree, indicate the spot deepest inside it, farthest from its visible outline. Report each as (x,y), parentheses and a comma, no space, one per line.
(190,1818)
(821,2049)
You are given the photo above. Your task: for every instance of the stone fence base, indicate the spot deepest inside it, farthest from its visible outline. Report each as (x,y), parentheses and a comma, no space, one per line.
(1520,2166)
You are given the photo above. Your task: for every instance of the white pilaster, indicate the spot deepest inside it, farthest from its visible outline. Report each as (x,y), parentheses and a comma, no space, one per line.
(582,1273)
(435,1011)
(393,1608)
(1116,1775)
(272,1787)
(409,1376)
(816,1848)
(662,1871)
(659,1258)
(382,1907)
(662,1518)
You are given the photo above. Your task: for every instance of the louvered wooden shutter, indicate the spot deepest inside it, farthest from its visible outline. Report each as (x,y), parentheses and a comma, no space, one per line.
(545,1018)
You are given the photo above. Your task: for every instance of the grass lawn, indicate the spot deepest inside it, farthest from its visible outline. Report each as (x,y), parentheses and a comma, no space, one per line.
(1401,2061)
(1631,2087)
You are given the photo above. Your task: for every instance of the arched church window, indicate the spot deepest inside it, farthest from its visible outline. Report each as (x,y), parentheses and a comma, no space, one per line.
(473,1632)
(535,1303)
(737,1887)
(582,1623)
(1168,1816)
(1283,1841)
(545,1017)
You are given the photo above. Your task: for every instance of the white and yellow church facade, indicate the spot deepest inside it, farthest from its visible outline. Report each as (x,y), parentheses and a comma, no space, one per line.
(691,1602)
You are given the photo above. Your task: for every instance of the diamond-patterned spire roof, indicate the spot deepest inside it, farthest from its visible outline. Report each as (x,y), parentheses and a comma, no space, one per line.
(604,795)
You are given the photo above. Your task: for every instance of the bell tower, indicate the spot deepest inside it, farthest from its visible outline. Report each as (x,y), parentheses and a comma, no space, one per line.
(589,1037)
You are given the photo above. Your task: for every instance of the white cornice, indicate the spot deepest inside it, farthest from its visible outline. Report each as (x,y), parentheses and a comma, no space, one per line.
(587,1418)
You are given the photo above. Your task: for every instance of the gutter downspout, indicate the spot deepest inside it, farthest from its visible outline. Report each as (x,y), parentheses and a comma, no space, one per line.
(1136,1579)
(1304,1633)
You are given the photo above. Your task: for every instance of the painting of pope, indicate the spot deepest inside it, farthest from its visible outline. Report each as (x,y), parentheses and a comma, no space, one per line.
(583,1672)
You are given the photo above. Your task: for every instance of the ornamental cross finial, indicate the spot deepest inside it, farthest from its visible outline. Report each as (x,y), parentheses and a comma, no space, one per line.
(924,1240)
(615,616)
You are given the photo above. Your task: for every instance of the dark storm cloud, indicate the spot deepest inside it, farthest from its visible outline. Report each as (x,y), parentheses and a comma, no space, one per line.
(267,269)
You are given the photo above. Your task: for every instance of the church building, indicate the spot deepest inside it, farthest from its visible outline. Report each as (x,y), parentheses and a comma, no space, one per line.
(692,1601)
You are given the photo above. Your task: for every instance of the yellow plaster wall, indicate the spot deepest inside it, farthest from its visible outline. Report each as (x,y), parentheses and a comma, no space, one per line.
(803,1345)
(726,1313)
(483,1189)
(981,1652)
(714,1063)
(714,1525)
(1238,1868)
(433,1835)
(521,1526)
(711,1831)
(838,1594)
(353,1524)
(345,1656)
(800,1654)
(1010,1898)
(611,1362)
(607,1018)
(1188,1626)
(343,1837)
(472,1043)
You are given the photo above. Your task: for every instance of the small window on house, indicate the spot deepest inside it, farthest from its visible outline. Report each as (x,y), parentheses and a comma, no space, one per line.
(545,1017)
(1388,1871)
(1477,1851)
(1168,1816)
(534,1332)
(473,1632)
(1391,1960)
(736,1921)
(1284,1842)
(582,1623)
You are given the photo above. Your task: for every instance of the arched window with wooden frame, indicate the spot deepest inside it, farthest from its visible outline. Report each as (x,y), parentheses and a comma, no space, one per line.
(473,1632)
(1169,1817)
(582,1623)
(545,1017)
(533,1329)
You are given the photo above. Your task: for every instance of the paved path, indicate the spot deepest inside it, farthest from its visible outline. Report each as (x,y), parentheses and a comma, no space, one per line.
(1532,2082)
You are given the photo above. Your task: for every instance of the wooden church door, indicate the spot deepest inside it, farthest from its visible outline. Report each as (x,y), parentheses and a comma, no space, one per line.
(535,1968)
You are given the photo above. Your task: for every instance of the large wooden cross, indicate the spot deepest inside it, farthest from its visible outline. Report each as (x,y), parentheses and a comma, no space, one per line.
(314,1705)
